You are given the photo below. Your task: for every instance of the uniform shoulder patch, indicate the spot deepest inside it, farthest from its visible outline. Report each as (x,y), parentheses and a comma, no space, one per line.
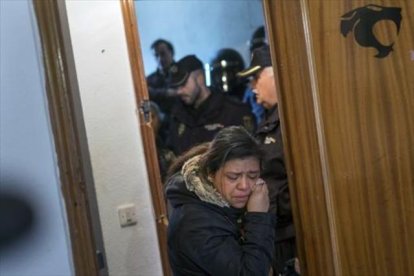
(269,140)
(181,129)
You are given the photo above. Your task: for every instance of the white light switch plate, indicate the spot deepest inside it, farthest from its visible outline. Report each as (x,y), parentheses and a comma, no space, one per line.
(127,215)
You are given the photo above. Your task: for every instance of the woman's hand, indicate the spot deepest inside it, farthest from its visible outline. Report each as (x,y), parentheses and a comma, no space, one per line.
(259,198)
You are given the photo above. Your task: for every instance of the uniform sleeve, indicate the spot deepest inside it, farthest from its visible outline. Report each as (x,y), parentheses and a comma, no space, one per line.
(274,173)
(214,248)
(157,89)
(284,209)
(239,113)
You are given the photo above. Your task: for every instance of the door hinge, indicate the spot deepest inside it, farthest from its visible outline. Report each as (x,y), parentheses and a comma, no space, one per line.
(162,219)
(145,107)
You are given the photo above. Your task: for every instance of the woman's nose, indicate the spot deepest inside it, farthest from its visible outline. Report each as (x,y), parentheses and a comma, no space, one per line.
(244,184)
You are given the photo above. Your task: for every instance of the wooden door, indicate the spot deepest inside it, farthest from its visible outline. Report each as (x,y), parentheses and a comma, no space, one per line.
(348,122)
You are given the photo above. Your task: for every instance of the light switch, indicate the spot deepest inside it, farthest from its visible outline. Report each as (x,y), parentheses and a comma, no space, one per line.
(127,215)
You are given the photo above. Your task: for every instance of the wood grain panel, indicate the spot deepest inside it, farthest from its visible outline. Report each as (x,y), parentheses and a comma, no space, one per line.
(347,118)
(367,108)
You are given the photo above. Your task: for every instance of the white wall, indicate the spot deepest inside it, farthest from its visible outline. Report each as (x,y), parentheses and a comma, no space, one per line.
(200,27)
(28,166)
(114,139)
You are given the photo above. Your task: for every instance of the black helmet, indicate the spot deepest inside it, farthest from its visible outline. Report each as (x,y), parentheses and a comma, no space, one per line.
(258,38)
(224,67)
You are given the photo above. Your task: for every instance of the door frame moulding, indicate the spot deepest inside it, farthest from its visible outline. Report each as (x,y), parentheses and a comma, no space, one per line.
(147,132)
(70,138)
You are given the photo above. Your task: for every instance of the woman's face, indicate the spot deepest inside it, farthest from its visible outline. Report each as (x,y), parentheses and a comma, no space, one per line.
(236,179)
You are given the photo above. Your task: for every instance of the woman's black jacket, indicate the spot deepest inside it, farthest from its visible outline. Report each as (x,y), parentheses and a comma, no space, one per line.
(206,239)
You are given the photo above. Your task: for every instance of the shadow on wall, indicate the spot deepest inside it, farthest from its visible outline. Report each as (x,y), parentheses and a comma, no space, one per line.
(17,215)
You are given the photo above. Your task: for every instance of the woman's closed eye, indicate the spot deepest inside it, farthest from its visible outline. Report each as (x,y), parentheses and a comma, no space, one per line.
(235,176)
(253,176)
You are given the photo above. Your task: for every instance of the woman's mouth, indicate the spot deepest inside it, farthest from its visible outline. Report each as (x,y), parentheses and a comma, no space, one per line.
(241,198)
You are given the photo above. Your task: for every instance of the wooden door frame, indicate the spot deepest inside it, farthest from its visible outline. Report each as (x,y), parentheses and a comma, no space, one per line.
(70,138)
(147,132)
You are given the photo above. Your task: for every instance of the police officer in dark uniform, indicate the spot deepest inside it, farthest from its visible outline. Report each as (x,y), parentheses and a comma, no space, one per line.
(158,81)
(258,40)
(274,171)
(201,111)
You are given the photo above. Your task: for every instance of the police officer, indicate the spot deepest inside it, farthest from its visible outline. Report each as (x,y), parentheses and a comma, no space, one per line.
(201,111)
(274,171)
(257,40)
(158,81)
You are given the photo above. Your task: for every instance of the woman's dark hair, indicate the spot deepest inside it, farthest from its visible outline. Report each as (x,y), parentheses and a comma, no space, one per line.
(163,41)
(233,142)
